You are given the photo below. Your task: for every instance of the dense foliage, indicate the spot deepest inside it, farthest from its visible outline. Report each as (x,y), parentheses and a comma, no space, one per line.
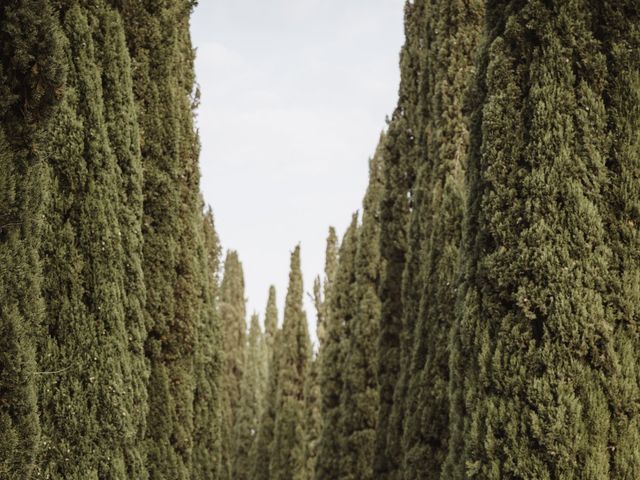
(479,318)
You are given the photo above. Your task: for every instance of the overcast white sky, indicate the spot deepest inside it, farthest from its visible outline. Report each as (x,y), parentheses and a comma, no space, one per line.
(294,96)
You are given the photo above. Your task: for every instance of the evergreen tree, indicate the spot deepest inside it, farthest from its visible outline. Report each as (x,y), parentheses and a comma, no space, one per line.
(207,444)
(313,389)
(264,440)
(287,451)
(249,409)
(435,230)
(341,310)
(532,346)
(124,139)
(322,289)
(232,316)
(400,154)
(90,393)
(32,75)
(359,384)
(157,35)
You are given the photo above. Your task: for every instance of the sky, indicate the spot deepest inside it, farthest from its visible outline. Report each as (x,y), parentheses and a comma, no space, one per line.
(294,95)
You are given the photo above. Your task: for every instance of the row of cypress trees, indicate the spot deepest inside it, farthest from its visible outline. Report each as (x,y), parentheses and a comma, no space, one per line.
(478,319)
(110,340)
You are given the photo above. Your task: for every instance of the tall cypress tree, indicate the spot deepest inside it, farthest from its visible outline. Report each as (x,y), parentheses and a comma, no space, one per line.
(124,139)
(400,151)
(158,39)
(532,345)
(359,397)
(32,75)
(249,408)
(85,342)
(207,442)
(341,310)
(287,451)
(264,440)
(453,30)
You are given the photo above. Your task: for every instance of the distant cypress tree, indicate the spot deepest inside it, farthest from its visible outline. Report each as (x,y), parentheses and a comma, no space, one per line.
(287,451)
(232,315)
(359,399)
(207,442)
(322,288)
(435,230)
(400,153)
(313,416)
(32,75)
(532,345)
(249,408)
(313,390)
(264,440)
(341,310)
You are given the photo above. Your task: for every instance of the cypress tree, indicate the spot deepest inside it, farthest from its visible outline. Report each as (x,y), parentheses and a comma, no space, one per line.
(89,396)
(341,310)
(400,153)
(453,30)
(207,444)
(232,316)
(249,409)
(617,26)
(264,440)
(531,347)
(124,138)
(322,289)
(287,451)
(158,39)
(32,75)
(313,389)
(359,386)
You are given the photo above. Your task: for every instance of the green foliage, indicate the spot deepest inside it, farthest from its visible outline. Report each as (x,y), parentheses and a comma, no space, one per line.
(250,406)
(207,441)
(618,28)
(262,447)
(341,309)
(400,153)
(431,274)
(532,344)
(287,451)
(32,73)
(359,398)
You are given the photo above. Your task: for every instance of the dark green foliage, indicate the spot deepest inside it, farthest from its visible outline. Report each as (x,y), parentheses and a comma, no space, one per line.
(287,451)
(532,345)
(158,39)
(341,310)
(32,71)
(249,408)
(207,406)
(359,399)
(400,154)
(232,315)
(90,395)
(262,447)
(435,230)
(618,28)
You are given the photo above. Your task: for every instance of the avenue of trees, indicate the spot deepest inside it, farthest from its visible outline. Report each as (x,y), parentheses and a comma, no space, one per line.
(478,319)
